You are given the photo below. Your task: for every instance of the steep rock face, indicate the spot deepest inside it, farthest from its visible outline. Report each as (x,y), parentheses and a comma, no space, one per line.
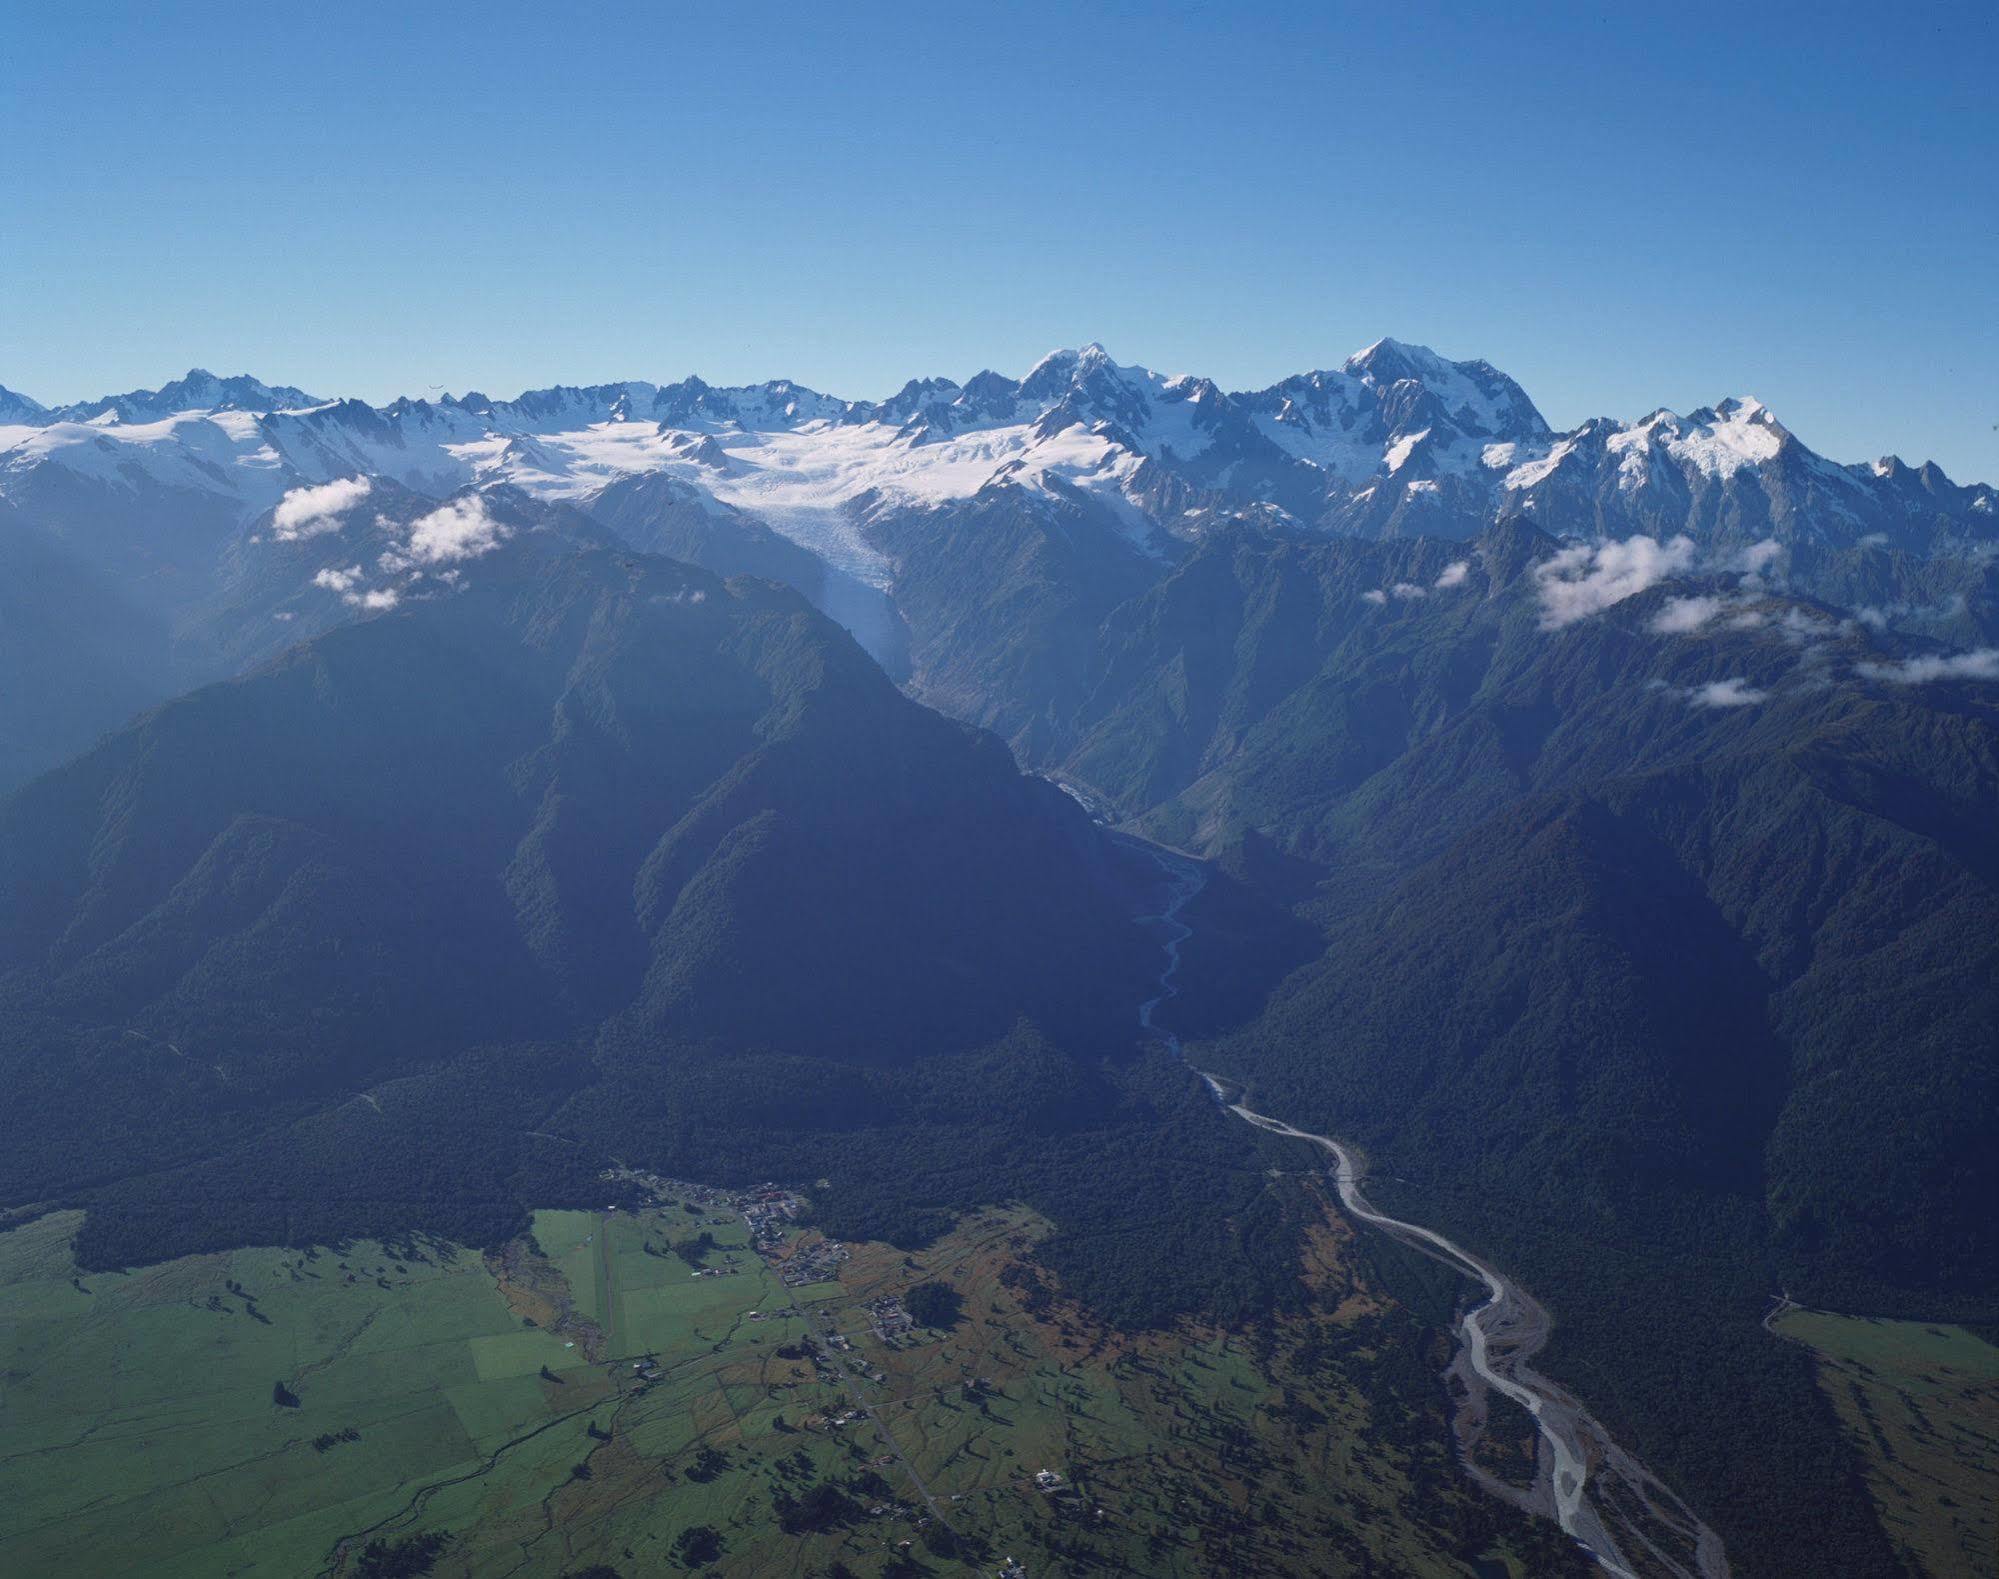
(1003,596)
(18,408)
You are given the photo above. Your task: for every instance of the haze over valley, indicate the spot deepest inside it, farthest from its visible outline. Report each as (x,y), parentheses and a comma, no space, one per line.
(927,957)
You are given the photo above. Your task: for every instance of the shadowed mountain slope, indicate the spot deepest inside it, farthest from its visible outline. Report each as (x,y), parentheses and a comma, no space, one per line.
(585,787)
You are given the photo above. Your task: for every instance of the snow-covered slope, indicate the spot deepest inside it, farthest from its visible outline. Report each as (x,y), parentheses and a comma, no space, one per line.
(222,451)
(968,534)
(1397,440)
(200,390)
(18,408)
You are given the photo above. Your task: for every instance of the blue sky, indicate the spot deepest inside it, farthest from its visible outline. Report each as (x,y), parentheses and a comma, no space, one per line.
(1622,206)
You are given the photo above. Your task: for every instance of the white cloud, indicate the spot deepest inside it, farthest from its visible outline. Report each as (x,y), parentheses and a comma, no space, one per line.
(1758,557)
(1406,590)
(1587,579)
(1454,574)
(1684,616)
(459,530)
(1879,616)
(348,584)
(1754,560)
(1804,628)
(1980,664)
(307,512)
(1374,595)
(1727,693)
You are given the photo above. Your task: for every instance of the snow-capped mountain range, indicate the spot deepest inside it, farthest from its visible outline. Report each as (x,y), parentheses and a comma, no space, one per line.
(1396,441)
(978,539)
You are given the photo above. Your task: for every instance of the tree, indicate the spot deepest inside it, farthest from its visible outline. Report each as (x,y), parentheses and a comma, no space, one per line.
(405,1559)
(935,1304)
(698,1545)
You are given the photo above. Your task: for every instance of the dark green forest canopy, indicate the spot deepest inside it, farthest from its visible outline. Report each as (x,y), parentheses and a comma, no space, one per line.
(1664,1004)
(1666,1007)
(435,916)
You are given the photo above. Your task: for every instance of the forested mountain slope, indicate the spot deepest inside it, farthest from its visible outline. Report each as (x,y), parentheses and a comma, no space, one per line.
(77,658)
(1662,960)
(584,801)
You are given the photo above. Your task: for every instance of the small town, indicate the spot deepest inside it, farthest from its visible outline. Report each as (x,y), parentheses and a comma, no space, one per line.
(888,1317)
(771,1213)
(818,1262)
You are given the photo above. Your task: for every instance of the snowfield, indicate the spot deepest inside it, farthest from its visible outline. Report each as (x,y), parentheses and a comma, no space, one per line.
(1156,455)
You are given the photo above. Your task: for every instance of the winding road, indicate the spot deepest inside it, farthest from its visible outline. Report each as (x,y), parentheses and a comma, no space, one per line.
(1602,1497)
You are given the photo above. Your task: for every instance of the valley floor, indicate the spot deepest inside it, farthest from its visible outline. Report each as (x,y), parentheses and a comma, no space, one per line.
(583,1398)
(1921,1403)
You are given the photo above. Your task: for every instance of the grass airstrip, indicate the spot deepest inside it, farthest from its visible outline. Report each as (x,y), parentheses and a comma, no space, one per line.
(584,1398)
(1921,1401)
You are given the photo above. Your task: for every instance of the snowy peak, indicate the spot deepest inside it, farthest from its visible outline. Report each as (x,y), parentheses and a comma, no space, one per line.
(916,397)
(1926,486)
(1098,390)
(200,390)
(18,408)
(1396,439)
(569,405)
(1129,405)
(1474,397)
(989,392)
(695,403)
(1715,441)
(1053,374)
(1390,361)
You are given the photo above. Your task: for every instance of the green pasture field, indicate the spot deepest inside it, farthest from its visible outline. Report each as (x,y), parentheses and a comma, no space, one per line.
(141,1431)
(138,1427)
(1921,1400)
(568,1239)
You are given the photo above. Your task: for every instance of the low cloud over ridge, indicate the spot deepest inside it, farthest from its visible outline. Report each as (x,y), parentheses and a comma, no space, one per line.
(458,530)
(1588,578)
(1731,692)
(1980,664)
(307,512)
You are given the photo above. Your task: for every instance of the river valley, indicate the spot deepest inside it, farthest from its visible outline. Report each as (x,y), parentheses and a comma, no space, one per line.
(1623,1516)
